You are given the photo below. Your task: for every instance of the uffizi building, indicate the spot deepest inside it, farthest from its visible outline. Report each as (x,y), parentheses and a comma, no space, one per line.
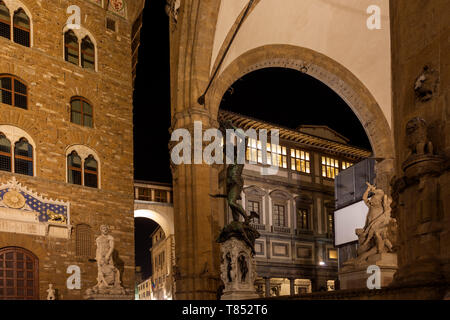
(67,192)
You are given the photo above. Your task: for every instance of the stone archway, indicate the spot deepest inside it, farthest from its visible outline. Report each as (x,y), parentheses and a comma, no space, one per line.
(331,73)
(164,219)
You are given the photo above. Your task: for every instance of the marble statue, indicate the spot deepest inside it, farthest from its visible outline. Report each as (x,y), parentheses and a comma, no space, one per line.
(51,292)
(380,228)
(108,278)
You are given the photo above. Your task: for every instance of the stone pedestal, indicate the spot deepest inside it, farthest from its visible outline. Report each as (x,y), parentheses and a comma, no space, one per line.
(238,270)
(108,297)
(355,276)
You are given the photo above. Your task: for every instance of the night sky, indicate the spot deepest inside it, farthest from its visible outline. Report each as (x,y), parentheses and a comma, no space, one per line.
(282,96)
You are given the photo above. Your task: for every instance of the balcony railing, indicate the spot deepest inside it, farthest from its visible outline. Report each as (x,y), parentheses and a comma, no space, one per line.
(280,229)
(258,226)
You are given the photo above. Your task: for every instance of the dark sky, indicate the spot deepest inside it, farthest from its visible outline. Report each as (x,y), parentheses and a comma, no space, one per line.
(277,95)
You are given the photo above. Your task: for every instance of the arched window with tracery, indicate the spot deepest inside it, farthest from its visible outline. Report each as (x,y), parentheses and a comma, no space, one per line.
(81,112)
(22,28)
(5,153)
(90,172)
(84,237)
(87,54)
(71,48)
(23,157)
(74,168)
(5,21)
(13,91)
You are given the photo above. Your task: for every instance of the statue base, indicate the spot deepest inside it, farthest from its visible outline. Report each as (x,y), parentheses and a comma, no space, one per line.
(99,296)
(238,270)
(354,276)
(109,293)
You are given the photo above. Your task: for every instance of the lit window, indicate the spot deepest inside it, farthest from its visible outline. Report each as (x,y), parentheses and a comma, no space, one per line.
(23,157)
(346,164)
(303,219)
(276,154)
(71,47)
(330,167)
(74,168)
(332,254)
(81,112)
(5,153)
(22,28)
(87,54)
(13,92)
(300,161)
(5,21)
(90,172)
(254,206)
(279,216)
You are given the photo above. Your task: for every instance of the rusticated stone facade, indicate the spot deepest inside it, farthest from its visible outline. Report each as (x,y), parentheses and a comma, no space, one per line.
(51,83)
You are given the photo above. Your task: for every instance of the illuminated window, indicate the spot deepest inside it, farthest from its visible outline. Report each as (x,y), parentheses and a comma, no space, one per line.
(254,206)
(23,157)
(346,164)
(87,54)
(303,219)
(279,215)
(71,47)
(90,172)
(330,167)
(300,161)
(22,28)
(5,153)
(13,92)
(81,112)
(5,21)
(276,154)
(74,168)
(332,254)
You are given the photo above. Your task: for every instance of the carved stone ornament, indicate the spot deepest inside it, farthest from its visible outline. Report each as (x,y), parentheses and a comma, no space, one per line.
(238,270)
(172,8)
(426,84)
(14,199)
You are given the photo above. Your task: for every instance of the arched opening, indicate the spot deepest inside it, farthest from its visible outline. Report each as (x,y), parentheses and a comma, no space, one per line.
(321,136)
(154,238)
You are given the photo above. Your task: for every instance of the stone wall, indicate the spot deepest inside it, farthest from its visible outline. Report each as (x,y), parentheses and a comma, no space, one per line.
(51,83)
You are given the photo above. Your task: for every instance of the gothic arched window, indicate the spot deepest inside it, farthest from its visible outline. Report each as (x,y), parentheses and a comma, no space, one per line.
(22,28)
(71,48)
(87,54)
(5,21)
(5,153)
(23,157)
(81,112)
(83,246)
(13,91)
(74,168)
(90,172)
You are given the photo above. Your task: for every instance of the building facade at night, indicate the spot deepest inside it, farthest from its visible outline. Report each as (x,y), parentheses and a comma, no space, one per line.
(66,143)
(295,253)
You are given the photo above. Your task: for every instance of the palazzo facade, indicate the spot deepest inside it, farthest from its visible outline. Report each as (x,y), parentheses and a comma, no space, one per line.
(66,143)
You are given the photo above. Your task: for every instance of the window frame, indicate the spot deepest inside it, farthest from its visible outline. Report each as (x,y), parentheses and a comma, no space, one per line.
(83,52)
(13,91)
(66,45)
(2,153)
(293,160)
(326,166)
(90,172)
(21,28)
(285,218)
(25,158)
(255,220)
(9,23)
(82,114)
(80,170)
(308,217)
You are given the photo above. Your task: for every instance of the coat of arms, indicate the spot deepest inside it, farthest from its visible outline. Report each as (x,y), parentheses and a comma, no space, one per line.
(117,4)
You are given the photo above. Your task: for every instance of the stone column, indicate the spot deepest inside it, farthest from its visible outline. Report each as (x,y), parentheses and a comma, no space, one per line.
(421,125)
(292,286)
(267,280)
(197,265)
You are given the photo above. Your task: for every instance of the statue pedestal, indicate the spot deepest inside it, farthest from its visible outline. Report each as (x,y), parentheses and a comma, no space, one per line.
(238,270)
(99,296)
(355,276)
